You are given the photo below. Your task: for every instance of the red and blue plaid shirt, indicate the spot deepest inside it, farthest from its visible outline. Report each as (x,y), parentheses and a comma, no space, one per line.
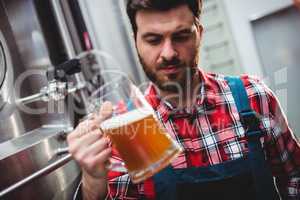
(212,133)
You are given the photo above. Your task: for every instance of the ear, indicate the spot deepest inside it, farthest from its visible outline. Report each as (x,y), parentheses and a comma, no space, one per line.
(199,29)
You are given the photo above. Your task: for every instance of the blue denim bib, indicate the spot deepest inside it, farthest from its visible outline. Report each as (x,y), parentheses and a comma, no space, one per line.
(241,179)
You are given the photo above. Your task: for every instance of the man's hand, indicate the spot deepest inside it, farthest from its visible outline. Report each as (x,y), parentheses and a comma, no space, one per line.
(297,4)
(91,150)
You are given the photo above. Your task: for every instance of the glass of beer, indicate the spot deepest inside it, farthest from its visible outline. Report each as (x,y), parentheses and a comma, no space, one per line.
(135,131)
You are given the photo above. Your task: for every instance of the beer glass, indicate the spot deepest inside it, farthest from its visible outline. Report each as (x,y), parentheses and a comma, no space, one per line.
(136,133)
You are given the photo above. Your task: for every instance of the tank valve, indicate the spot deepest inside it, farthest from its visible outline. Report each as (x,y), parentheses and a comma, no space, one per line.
(58,86)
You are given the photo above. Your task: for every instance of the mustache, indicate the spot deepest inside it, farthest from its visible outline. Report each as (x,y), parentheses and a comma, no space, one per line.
(173,61)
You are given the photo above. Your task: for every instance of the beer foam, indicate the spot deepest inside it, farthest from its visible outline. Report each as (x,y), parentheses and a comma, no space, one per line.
(126,118)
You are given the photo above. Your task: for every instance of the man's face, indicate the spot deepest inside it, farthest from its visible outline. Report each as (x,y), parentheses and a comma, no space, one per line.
(167,43)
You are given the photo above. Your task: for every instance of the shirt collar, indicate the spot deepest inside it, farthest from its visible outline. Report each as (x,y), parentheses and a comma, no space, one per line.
(165,108)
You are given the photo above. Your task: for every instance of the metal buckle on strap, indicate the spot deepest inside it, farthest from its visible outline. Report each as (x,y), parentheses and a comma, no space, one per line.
(250,120)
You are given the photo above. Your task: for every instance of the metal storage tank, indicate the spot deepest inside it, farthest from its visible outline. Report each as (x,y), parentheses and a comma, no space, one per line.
(36,110)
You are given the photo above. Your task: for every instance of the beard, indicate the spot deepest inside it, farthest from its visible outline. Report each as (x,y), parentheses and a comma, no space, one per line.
(174,83)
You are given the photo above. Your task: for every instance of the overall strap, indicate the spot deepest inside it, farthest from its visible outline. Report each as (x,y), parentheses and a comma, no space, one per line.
(262,177)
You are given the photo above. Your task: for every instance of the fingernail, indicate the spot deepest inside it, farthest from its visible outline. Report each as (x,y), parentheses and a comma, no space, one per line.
(108,138)
(105,140)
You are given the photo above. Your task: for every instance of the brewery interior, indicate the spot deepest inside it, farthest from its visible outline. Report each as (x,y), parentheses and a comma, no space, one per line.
(52,53)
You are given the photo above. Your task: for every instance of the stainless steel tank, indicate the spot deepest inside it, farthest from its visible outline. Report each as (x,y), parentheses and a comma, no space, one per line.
(33,127)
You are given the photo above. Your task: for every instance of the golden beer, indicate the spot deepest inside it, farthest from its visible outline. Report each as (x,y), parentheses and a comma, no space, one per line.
(142,142)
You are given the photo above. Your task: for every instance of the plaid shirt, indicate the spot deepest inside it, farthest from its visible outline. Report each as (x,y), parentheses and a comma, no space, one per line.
(212,133)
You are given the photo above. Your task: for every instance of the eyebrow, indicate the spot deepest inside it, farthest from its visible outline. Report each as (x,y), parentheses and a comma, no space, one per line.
(150,34)
(182,31)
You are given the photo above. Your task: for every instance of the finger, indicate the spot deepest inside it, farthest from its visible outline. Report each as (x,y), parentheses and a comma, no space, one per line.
(97,147)
(90,137)
(105,112)
(86,140)
(94,123)
(96,165)
(71,136)
(77,132)
(103,157)
(90,125)
(86,127)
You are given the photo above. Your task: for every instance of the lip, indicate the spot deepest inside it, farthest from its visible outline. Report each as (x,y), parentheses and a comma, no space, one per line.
(170,69)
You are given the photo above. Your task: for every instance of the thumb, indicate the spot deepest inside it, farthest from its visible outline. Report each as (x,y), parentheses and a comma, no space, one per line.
(106,111)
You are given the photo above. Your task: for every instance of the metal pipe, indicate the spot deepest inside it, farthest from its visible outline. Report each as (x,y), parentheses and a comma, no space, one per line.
(63,28)
(66,38)
(30,99)
(47,170)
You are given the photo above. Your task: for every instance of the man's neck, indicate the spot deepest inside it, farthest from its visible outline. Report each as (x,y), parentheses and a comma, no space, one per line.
(185,98)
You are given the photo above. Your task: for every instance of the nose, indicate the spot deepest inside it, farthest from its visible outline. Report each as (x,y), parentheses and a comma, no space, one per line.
(168,51)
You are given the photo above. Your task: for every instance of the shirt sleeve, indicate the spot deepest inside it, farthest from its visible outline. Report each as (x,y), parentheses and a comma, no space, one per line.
(282,150)
(120,185)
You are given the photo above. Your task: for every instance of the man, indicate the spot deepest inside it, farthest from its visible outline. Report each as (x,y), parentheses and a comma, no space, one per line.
(197,108)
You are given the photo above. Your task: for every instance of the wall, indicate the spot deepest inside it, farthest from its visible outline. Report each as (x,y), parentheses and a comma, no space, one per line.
(108,26)
(274,53)
(239,13)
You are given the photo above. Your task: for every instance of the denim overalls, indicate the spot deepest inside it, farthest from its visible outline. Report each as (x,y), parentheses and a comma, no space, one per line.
(241,179)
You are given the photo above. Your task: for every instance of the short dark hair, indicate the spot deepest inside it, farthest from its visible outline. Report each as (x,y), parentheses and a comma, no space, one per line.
(133,6)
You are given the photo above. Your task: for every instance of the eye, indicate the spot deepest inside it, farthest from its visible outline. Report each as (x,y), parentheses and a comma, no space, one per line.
(154,40)
(181,37)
